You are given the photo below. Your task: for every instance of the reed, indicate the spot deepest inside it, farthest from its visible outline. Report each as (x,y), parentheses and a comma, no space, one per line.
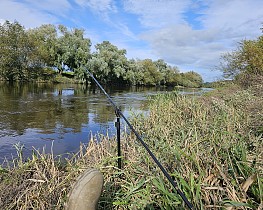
(210,145)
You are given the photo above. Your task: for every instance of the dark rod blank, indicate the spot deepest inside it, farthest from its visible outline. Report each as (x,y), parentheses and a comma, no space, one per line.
(166,174)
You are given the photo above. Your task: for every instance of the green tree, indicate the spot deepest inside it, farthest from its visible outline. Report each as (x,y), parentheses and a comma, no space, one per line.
(30,54)
(245,64)
(162,68)
(44,40)
(172,76)
(194,79)
(108,63)
(151,74)
(15,50)
(72,52)
(134,75)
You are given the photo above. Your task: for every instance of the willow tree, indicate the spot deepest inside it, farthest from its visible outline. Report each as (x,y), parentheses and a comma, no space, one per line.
(44,40)
(72,51)
(172,76)
(193,78)
(151,73)
(109,63)
(162,67)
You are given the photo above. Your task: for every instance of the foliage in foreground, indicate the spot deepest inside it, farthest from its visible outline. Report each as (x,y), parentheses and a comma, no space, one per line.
(211,146)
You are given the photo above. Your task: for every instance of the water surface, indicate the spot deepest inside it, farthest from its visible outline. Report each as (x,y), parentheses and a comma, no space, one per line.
(38,115)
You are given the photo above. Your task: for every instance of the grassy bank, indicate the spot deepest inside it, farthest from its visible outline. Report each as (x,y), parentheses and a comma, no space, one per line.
(211,145)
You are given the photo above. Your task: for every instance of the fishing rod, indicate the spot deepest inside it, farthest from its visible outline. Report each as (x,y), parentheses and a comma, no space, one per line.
(118,114)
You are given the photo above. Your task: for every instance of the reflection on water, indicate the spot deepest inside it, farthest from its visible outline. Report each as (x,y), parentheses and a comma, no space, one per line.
(37,114)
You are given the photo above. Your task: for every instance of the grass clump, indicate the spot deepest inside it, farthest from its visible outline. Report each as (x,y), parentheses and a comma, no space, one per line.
(208,146)
(211,146)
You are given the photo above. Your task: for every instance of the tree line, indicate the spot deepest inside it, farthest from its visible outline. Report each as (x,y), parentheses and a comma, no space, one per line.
(48,50)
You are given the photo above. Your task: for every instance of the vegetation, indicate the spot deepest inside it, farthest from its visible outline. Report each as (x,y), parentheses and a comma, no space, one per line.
(245,64)
(211,146)
(48,51)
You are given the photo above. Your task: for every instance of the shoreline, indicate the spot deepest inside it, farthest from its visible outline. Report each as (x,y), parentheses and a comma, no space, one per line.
(204,142)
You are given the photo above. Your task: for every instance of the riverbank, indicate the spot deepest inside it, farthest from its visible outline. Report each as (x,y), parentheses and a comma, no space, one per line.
(211,145)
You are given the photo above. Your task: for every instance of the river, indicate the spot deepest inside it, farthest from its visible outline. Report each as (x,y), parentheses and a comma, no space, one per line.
(39,115)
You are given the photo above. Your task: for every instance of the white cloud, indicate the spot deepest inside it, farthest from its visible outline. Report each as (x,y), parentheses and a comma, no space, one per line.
(181,45)
(124,29)
(139,53)
(158,13)
(57,8)
(236,18)
(100,7)
(28,15)
(134,52)
(224,23)
(106,9)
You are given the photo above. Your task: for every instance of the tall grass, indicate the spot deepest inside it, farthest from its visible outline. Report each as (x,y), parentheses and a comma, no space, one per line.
(208,144)
(208,147)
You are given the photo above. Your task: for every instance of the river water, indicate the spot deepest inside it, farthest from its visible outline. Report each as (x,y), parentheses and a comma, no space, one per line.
(39,115)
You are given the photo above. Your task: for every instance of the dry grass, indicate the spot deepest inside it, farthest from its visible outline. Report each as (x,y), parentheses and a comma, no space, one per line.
(209,145)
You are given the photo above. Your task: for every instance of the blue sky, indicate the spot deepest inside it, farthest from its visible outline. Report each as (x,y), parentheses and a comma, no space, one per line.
(190,34)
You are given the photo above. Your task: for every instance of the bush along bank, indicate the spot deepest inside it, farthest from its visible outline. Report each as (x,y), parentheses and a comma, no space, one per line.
(211,146)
